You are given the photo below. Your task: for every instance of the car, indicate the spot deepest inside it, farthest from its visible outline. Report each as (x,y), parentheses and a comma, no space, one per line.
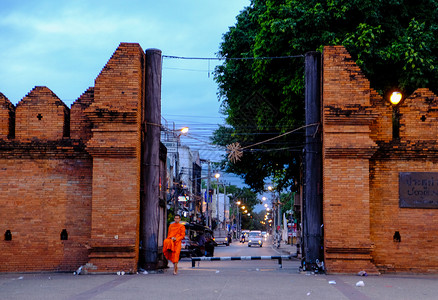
(221,237)
(255,238)
(198,241)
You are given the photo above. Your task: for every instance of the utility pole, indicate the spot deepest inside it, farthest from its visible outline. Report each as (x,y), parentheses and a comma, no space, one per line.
(225,205)
(176,179)
(312,211)
(208,195)
(217,203)
(238,223)
(149,218)
(279,214)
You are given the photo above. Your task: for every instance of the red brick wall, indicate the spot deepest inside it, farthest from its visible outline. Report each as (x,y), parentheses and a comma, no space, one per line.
(115,147)
(381,128)
(419,116)
(41,115)
(80,124)
(6,109)
(40,198)
(361,167)
(415,151)
(45,188)
(418,228)
(347,147)
(77,170)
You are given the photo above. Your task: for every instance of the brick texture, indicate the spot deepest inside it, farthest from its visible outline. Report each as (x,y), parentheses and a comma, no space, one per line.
(7,117)
(80,124)
(41,115)
(115,147)
(74,170)
(347,147)
(361,166)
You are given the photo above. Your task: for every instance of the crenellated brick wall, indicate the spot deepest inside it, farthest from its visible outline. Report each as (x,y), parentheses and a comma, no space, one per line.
(74,171)
(7,118)
(115,146)
(80,124)
(41,115)
(361,166)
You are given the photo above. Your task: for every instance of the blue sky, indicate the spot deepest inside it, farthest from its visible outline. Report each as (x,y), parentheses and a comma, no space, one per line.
(64,45)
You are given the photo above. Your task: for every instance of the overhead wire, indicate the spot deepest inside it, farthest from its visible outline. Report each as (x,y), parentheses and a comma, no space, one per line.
(233,58)
(207,128)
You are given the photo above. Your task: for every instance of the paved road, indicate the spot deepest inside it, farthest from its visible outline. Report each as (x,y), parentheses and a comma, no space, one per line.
(219,280)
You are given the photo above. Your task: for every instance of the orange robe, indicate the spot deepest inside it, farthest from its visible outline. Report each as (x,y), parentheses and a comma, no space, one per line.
(171,248)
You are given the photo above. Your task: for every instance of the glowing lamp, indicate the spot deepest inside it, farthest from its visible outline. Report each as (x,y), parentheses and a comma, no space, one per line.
(395,98)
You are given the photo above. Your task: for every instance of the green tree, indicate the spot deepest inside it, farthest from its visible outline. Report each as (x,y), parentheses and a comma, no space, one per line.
(392,41)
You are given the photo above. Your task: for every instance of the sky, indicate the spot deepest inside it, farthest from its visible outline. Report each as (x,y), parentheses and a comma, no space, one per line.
(64,45)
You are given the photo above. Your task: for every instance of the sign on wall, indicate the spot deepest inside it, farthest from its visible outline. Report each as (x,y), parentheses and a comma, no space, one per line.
(418,189)
(172,147)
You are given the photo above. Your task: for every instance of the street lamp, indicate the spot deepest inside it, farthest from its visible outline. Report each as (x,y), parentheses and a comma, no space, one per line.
(395,99)
(238,219)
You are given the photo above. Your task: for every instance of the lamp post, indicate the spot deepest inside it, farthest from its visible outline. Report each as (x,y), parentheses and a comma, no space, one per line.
(277,203)
(274,206)
(225,205)
(238,219)
(181,131)
(395,99)
(217,175)
(243,207)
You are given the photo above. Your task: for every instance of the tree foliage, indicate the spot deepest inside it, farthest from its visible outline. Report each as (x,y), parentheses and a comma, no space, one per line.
(392,41)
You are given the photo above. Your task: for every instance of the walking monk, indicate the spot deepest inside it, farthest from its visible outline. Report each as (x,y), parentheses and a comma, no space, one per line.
(172,245)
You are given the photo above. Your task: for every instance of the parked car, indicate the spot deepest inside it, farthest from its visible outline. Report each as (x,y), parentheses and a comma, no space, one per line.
(220,236)
(255,238)
(198,241)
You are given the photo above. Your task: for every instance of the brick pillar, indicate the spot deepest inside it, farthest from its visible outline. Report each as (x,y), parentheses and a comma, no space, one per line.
(347,148)
(116,150)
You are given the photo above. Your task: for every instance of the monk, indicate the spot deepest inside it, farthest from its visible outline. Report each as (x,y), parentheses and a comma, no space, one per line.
(172,244)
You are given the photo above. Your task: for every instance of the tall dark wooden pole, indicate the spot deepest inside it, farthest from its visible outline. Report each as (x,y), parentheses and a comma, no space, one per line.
(149,219)
(312,209)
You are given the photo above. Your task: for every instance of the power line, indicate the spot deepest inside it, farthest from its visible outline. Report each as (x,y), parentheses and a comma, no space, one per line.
(233,58)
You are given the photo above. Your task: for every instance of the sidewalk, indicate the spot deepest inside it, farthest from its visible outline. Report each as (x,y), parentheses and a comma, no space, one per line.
(289,249)
(218,282)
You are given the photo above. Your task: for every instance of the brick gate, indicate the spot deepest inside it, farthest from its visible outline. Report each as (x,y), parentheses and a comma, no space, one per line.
(367,226)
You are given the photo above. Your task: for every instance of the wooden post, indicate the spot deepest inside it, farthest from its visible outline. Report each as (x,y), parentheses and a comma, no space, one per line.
(149,218)
(312,210)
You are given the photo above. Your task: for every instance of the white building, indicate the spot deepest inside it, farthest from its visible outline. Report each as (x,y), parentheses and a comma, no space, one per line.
(184,175)
(224,207)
